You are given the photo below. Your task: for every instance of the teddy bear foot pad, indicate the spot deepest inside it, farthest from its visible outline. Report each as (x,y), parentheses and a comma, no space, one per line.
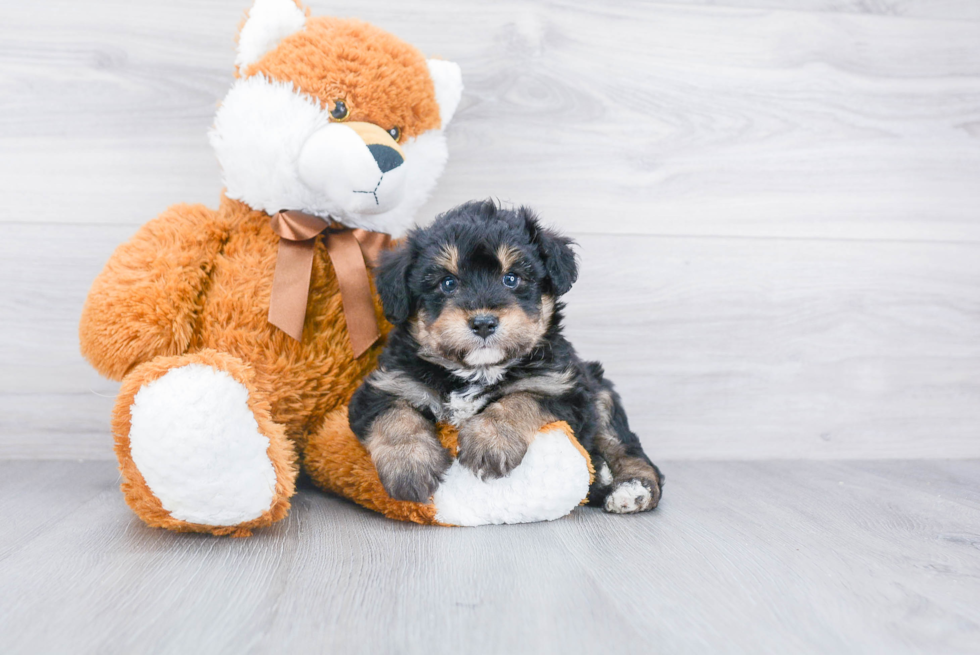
(197,450)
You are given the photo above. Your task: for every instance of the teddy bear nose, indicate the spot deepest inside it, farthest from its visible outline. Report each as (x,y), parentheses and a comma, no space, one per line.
(387,157)
(484,325)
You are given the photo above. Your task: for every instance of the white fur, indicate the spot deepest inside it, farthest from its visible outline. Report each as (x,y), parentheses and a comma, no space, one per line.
(550,482)
(268,23)
(448,80)
(259,131)
(197,445)
(465,404)
(278,150)
(335,162)
(485,375)
(484,356)
(623,499)
(604,475)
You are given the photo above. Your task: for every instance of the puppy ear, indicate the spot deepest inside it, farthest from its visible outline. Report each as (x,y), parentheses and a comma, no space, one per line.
(555,251)
(391,281)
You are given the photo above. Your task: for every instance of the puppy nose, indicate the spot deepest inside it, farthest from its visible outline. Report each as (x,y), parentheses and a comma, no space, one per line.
(484,324)
(387,157)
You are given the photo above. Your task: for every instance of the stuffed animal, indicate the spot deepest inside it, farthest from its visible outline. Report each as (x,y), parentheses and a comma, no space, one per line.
(239,334)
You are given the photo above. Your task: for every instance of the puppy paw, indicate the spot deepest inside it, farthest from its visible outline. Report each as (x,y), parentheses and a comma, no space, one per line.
(412,472)
(632,496)
(490,448)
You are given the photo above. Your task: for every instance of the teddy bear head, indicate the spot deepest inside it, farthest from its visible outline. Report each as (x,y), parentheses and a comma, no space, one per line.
(333,117)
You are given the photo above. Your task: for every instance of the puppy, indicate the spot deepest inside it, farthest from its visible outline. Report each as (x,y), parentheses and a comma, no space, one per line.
(477,342)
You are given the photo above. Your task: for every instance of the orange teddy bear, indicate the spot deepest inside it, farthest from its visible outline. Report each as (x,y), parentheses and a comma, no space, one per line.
(239,334)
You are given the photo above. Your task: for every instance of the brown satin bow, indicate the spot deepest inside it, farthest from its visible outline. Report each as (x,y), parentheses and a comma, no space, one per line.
(351,251)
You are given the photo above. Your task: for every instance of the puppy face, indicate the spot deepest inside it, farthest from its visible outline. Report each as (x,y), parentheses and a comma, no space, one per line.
(478,287)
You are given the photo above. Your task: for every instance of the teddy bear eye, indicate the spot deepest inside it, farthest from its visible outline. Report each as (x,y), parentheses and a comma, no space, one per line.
(448,284)
(511,281)
(340,111)
(395,133)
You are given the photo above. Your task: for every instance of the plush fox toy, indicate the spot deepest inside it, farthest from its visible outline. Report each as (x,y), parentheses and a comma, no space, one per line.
(239,334)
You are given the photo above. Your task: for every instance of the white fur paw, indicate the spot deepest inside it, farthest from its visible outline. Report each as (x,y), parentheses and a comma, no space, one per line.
(198,447)
(629,497)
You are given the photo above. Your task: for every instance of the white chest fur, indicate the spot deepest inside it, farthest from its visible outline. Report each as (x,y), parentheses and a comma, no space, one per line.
(464,404)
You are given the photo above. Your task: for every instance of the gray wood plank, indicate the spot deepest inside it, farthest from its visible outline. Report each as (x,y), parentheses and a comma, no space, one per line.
(740,349)
(775,557)
(722,348)
(627,117)
(947,9)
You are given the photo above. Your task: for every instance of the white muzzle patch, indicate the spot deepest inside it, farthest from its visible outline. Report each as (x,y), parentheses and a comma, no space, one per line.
(337,163)
(278,149)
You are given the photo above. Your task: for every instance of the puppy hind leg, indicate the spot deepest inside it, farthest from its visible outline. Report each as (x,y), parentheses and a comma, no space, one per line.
(627,481)
(603,480)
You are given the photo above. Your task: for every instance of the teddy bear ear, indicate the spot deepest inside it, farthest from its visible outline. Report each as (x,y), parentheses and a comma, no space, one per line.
(268,22)
(448,80)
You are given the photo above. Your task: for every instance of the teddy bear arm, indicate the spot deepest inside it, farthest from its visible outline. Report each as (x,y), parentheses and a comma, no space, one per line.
(145,301)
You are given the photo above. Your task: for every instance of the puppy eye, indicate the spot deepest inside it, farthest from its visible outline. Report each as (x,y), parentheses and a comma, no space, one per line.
(340,111)
(511,281)
(395,133)
(448,284)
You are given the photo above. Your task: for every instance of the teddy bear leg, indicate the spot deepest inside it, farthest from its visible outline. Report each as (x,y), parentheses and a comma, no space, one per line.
(197,446)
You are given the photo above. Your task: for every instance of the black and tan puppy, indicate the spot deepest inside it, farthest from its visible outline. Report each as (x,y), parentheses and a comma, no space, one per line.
(478,343)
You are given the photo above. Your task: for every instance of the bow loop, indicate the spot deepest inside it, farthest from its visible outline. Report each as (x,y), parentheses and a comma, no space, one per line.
(298,226)
(350,252)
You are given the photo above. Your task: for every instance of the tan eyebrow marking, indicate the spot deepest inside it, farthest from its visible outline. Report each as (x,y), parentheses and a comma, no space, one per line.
(448,258)
(508,256)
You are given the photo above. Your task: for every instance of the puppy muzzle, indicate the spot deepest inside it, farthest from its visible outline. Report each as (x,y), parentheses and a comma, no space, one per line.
(357,165)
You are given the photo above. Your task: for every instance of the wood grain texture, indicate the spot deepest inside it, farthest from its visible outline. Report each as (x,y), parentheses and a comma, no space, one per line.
(778,557)
(949,9)
(786,348)
(722,348)
(627,117)
(777,201)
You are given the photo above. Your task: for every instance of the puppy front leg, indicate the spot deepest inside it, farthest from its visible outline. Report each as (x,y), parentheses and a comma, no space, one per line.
(494,441)
(406,453)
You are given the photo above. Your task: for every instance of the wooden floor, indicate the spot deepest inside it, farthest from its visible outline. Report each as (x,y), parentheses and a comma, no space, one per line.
(775,557)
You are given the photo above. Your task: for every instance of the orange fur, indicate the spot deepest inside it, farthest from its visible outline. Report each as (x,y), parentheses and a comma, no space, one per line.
(193,286)
(354,61)
(169,292)
(145,301)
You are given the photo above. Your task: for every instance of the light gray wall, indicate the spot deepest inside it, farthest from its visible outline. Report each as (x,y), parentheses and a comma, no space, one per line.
(778,210)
